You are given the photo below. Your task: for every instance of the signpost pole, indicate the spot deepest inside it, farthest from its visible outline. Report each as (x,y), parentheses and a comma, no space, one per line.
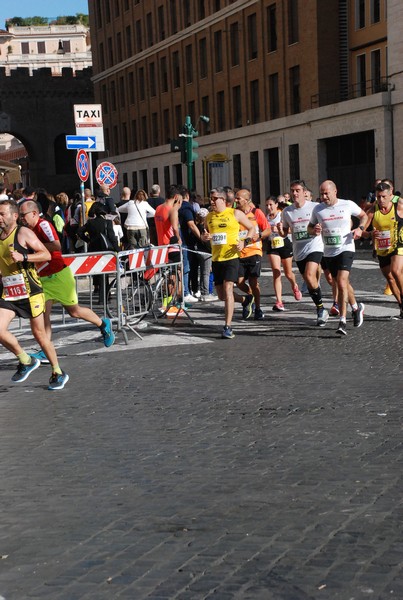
(91,174)
(83,209)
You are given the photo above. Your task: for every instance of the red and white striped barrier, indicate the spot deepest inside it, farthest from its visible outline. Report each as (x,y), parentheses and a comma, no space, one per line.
(145,258)
(91,264)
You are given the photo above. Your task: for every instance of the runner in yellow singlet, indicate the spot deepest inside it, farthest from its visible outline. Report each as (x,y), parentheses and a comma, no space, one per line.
(223,233)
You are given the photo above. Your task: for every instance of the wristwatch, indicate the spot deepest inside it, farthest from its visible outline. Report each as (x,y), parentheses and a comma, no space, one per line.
(361,227)
(247,241)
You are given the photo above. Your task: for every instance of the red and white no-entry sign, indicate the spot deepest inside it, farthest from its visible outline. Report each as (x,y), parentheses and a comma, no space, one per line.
(82,165)
(106,174)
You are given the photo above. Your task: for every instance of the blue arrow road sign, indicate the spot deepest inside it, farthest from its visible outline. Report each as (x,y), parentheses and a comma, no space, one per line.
(76,142)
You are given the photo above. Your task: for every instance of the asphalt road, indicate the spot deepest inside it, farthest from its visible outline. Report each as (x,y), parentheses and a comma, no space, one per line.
(183,466)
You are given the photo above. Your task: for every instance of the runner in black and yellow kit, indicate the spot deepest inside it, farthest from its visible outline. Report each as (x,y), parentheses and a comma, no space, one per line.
(223,233)
(388,239)
(21,293)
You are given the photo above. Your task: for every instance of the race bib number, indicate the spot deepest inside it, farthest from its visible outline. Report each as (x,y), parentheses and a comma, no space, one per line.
(332,237)
(300,232)
(14,287)
(219,239)
(383,240)
(277,242)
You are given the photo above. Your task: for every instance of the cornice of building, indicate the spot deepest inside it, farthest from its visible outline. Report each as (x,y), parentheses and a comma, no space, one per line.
(174,39)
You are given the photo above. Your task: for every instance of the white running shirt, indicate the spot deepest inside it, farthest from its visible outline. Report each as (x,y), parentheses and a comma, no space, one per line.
(298,219)
(336,225)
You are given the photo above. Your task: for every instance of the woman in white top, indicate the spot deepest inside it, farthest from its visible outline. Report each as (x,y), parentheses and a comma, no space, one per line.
(136,226)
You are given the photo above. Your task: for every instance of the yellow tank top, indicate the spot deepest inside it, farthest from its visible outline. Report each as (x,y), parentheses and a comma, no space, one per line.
(386,225)
(19,281)
(224,229)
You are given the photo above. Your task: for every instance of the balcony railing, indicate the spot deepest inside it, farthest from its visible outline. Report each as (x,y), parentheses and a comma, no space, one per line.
(356,90)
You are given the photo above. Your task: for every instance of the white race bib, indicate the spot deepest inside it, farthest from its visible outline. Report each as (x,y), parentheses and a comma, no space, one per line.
(300,232)
(219,239)
(382,240)
(14,287)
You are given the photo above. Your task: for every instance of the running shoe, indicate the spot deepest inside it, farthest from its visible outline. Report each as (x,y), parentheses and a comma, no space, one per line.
(259,316)
(387,291)
(40,356)
(297,293)
(107,332)
(208,298)
(58,381)
(342,328)
(175,311)
(24,371)
(278,307)
(358,315)
(227,333)
(334,311)
(189,299)
(322,317)
(247,306)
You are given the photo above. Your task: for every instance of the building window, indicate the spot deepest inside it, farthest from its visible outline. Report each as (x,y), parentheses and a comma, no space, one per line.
(98,15)
(139,37)
(142,92)
(255,177)
(176,70)
(272,27)
(178,173)
(293,156)
(144,132)
(237,105)
(124,138)
(126,4)
(135,143)
(101,56)
(166,123)
(254,101)
(220,111)
(113,95)
(189,63)
(274,96)
(41,48)
(122,92)
(135,182)
(173,13)
(24,47)
(360,14)
(129,49)
(293,33)
(167,178)
(104,99)
(191,111)
(110,52)
(130,79)
(295,103)
(376,71)
(203,58)
(144,179)
(149,27)
(119,46)
(234,41)
(252,37)
(153,87)
(164,74)
(205,106)
(155,175)
(217,5)
(178,118)
(218,51)
(115,143)
(375,11)
(201,9)
(117,9)
(186,14)
(108,12)
(161,23)
(154,129)
(361,75)
(125,180)
(237,170)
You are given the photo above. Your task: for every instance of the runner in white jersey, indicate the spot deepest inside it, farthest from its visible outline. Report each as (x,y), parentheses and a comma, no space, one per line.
(308,248)
(331,219)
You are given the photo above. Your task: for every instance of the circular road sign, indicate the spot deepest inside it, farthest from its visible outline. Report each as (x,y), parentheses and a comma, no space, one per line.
(106,174)
(82,165)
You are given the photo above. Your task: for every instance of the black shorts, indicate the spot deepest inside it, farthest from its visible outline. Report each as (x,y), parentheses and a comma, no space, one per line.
(226,270)
(323,264)
(250,266)
(341,262)
(28,308)
(174,257)
(283,252)
(315,257)
(384,261)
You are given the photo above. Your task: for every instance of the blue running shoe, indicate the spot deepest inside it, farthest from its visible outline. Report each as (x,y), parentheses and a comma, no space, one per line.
(58,381)
(24,371)
(40,356)
(227,333)
(107,332)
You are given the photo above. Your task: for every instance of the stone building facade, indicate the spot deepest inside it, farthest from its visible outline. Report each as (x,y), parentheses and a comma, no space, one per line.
(292,88)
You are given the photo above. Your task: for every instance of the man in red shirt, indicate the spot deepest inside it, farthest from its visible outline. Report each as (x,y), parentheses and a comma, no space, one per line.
(57,279)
